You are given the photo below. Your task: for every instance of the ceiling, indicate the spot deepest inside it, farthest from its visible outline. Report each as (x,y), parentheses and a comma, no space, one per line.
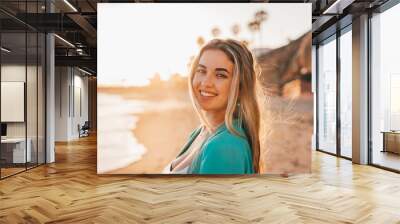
(76,22)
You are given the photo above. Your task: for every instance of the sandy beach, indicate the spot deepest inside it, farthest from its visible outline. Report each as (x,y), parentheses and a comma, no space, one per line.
(163,133)
(139,133)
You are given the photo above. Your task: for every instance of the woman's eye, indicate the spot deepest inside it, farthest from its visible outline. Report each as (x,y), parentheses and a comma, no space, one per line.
(200,70)
(221,75)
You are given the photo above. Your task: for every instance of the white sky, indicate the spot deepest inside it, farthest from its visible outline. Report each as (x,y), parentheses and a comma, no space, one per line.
(135,41)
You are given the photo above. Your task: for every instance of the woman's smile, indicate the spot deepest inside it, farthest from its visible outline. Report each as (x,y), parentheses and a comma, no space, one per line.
(207,93)
(206,97)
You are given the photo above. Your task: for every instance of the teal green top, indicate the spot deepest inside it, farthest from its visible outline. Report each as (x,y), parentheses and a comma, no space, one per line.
(222,153)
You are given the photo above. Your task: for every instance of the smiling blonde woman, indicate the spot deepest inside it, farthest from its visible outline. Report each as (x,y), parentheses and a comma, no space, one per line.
(222,88)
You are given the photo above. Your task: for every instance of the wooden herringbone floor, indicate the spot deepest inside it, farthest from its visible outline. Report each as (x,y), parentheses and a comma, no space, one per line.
(69,191)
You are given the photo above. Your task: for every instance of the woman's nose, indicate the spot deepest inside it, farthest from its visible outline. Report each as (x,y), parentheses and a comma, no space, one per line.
(207,80)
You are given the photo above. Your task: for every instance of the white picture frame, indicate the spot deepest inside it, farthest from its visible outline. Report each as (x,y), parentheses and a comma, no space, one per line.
(12,101)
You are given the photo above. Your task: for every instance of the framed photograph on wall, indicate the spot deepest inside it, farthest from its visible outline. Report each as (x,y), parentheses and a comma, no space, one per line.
(204,88)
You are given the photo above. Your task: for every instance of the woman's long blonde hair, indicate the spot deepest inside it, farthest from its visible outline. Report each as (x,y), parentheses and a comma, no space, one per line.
(242,102)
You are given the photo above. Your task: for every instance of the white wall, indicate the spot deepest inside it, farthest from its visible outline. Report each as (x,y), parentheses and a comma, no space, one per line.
(80,110)
(62,81)
(71,94)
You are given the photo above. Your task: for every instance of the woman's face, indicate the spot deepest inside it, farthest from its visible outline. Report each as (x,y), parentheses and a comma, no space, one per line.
(212,80)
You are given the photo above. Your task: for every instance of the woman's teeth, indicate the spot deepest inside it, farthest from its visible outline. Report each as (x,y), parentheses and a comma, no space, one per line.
(203,93)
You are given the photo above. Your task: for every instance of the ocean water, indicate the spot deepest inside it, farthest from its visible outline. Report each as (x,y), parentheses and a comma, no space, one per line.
(117,146)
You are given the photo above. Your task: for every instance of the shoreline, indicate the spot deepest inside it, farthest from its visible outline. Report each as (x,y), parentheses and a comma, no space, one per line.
(117,146)
(163,134)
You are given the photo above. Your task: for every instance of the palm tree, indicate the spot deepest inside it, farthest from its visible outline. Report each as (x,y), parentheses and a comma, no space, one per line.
(215,32)
(253,26)
(200,41)
(260,16)
(235,29)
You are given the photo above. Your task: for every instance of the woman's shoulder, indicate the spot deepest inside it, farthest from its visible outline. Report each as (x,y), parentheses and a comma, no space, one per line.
(228,143)
(225,153)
